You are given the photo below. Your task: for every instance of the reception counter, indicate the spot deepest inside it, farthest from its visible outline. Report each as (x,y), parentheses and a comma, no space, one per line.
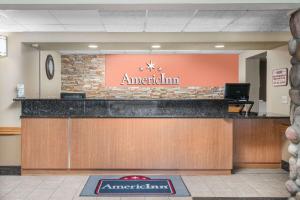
(145,136)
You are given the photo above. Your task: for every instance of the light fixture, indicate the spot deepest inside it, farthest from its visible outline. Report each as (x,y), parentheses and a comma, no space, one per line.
(3,46)
(155,46)
(93,46)
(219,46)
(35,45)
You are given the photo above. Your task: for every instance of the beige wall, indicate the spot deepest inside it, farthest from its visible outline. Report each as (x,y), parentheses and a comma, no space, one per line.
(242,62)
(50,88)
(10,75)
(31,74)
(252,77)
(277,58)
(20,66)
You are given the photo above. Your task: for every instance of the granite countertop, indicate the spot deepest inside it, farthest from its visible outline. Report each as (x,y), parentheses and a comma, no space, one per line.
(98,99)
(137,108)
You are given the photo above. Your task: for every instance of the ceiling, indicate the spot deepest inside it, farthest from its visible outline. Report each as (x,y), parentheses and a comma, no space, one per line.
(147,20)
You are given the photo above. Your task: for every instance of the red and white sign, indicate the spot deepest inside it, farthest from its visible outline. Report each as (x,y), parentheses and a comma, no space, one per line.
(280,77)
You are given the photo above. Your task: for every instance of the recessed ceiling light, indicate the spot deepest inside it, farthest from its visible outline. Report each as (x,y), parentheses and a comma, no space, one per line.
(35,45)
(93,46)
(155,46)
(219,46)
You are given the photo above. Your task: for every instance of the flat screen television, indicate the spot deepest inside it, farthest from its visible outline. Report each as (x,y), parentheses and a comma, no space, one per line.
(237,91)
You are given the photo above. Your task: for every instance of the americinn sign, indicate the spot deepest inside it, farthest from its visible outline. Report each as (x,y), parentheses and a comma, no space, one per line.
(154,79)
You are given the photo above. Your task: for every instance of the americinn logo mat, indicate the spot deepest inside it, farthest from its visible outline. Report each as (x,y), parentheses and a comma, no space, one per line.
(135,185)
(131,186)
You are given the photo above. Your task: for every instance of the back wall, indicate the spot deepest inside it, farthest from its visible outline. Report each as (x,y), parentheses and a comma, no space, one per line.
(100,76)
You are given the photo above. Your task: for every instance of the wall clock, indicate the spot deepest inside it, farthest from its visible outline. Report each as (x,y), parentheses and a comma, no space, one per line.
(49,67)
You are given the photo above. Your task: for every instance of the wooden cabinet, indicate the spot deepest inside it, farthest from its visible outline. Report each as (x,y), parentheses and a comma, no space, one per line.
(151,143)
(257,142)
(44,143)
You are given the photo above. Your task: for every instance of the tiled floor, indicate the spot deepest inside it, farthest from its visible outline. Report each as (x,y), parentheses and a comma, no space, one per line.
(244,183)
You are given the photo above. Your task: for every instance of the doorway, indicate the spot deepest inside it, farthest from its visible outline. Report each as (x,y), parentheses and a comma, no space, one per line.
(256,75)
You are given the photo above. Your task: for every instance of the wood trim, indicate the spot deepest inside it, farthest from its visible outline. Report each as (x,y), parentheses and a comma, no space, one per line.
(258,165)
(10,130)
(126,172)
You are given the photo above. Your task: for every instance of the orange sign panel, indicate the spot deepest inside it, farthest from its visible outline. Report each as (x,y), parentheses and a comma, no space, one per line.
(171,70)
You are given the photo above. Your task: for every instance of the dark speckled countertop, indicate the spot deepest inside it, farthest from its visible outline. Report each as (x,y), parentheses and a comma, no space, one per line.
(137,108)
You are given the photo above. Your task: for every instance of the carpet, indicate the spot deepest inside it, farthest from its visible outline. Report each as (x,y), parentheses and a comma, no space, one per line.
(135,186)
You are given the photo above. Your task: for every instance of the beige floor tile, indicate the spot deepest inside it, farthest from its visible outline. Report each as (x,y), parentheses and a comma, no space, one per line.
(273,193)
(88,198)
(4,192)
(203,193)
(19,193)
(12,198)
(224,193)
(64,193)
(40,194)
(247,183)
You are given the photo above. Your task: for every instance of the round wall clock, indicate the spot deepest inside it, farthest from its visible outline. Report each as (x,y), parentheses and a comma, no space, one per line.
(49,67)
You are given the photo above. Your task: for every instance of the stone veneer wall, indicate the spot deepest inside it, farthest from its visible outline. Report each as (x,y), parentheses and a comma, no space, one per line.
(86,73)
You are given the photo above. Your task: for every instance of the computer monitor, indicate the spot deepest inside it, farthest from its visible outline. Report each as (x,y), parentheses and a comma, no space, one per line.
(237,91)
(72,95)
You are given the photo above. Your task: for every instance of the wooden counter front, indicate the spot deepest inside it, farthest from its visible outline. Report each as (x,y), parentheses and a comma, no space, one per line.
(44,143)
(151,143)
(257,142)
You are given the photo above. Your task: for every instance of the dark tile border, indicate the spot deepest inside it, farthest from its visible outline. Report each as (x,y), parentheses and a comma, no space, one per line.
(10,170)
(285,165)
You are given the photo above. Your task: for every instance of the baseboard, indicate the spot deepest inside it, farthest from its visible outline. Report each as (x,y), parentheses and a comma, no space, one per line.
(258,165)
(10,170)
(285,165)
(123,172)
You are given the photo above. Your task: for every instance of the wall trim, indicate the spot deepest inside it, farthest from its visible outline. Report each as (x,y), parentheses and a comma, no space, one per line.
(10,130)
